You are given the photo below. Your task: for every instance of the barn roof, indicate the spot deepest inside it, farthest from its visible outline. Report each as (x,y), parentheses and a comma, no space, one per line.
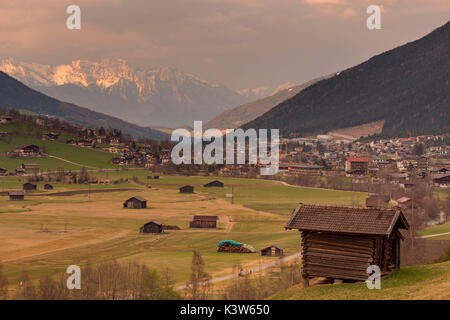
(16,193)
(139,198)
(273,246)
(206,218)
(159,223)
(366,221)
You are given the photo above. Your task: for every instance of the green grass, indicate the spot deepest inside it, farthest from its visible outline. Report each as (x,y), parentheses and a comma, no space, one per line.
(82,156)
(418,282)
(443,228)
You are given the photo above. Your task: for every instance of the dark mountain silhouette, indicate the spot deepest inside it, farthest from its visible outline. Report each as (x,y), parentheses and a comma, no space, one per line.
(408,87)
(15,95)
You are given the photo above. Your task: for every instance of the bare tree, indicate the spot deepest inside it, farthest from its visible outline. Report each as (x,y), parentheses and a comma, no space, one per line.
(198,287)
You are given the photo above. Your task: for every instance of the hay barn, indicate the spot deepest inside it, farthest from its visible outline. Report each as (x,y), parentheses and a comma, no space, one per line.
(272,251)
(152,227)
(204,222)
(16,195)
(29,186)
(341,242)
(215,183)
(135,203)
(187,189)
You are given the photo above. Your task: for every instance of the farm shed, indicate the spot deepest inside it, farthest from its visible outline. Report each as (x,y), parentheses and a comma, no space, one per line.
(215,183)
(48,186)
(16,195)
(152,227)
(135,203)
(378,201)
(272,251)
(341,242)
(3,171)
(234,247)
(187,189)
(204,222)
(29,186)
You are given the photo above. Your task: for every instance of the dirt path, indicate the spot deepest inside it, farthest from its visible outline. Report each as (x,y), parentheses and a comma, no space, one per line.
(230,224)
(435,235)
(74,163)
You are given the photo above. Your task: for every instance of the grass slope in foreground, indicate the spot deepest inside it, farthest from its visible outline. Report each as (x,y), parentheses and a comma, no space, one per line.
(418,282)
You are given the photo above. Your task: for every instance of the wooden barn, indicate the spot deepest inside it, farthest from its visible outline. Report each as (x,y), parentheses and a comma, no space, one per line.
(378,201)
(231,246)
(48,186)
(272,251)
(204,222)
(215,183)
(341,242)
(3,171)
(187,189)
(135,203)
(29,186)
(152,227)
(16,195)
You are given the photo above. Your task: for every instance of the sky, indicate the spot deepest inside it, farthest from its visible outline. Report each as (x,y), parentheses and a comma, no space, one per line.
(239,43)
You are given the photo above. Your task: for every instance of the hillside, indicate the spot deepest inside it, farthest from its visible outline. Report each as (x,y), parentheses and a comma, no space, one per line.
(15,95)
(62,155)
(412,283)
(161,96)
(242,114)
(408,87)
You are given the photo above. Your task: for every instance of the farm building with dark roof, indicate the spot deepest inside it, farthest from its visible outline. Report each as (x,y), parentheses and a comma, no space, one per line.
(204,222)
(342,242)
(215,183)
(136,202)
(154,226)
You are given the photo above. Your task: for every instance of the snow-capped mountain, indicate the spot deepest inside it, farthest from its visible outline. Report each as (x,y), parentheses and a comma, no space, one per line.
(160,96)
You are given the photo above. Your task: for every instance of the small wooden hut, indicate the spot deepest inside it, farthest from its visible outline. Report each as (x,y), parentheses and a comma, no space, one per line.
(48,186)
(341,242)
(135,203)
(29,186)
(215,183)
(18,195)
(187,189)
(152,227)
(272,251)
(204,222)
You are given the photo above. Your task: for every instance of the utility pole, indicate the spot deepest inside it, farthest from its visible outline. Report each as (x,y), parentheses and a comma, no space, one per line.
(232,194)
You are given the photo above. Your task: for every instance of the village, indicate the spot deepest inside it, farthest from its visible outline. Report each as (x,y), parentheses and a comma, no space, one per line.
(399,184)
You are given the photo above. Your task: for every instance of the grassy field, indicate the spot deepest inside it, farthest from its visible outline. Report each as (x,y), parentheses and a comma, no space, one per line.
(46,233)
(418,282)
(78,155)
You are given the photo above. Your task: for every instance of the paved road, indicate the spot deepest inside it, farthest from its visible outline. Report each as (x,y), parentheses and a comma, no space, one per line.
(260,268)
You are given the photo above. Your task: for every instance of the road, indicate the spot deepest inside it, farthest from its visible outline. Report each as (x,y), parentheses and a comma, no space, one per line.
(260,268)
(436,235)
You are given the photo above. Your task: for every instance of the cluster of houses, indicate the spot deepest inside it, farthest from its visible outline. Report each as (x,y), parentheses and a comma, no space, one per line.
(360,161)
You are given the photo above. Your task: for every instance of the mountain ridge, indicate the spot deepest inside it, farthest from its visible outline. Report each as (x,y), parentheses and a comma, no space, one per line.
(161,96)
(16,95)
(408,87)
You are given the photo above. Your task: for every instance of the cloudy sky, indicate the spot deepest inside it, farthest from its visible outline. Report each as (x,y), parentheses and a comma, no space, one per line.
(239,43)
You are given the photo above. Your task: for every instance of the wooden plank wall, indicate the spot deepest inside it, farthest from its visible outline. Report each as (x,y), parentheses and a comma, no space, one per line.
(339,256)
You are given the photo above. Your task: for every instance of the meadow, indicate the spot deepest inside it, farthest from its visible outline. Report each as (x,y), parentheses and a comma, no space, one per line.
(46,233)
